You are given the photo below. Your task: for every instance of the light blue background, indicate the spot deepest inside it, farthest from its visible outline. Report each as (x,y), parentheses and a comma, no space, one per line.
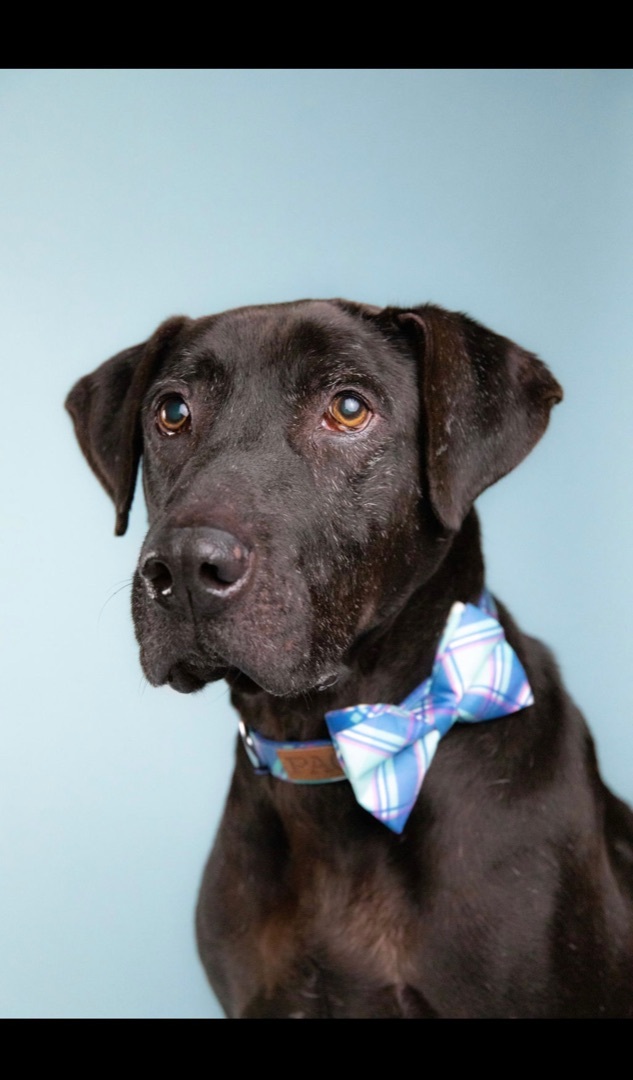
(127,196)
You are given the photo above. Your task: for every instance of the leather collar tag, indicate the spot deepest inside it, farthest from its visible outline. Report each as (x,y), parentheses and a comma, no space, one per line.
(310,763)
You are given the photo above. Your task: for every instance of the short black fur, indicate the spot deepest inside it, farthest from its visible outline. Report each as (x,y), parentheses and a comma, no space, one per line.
(313,566)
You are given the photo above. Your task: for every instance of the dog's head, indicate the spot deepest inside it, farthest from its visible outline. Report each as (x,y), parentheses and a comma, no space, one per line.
(305,465)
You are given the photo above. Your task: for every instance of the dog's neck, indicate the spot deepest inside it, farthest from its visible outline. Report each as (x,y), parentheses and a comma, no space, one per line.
(388,661)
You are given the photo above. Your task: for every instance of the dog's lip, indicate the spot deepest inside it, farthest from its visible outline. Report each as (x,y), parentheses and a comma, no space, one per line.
(182,678)
(241,682)
(186,680)
(290,688)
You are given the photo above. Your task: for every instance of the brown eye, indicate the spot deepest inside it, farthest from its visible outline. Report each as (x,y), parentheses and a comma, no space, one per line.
(173,415)
(348,412)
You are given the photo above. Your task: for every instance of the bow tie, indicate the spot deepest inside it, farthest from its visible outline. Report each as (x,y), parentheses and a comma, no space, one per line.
(385,750)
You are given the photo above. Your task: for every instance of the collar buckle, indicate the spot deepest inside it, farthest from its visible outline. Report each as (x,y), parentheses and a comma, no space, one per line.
(250,747)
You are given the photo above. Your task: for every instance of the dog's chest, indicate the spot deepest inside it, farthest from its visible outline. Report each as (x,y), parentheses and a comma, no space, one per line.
(362,918)
(339,926)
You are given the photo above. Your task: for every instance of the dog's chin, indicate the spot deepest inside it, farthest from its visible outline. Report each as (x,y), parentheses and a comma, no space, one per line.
(283,688)
(181,678)
(188,680)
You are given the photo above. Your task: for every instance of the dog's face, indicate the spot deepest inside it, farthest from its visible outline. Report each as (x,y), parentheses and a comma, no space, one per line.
(305,466)
(282,497)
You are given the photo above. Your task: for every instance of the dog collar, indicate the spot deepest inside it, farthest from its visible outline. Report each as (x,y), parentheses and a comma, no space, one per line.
(385,750)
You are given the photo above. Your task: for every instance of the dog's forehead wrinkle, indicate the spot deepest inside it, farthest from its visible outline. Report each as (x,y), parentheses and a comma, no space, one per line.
(324,332)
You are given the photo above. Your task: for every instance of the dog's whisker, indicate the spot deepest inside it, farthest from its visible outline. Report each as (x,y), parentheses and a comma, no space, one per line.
(122,587)
(143,686)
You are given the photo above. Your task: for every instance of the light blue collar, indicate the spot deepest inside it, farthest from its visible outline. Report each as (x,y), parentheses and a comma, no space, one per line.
(385,750)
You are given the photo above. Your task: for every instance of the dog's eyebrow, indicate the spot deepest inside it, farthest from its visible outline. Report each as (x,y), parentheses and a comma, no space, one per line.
(335,372)
(190,366)
(329,355)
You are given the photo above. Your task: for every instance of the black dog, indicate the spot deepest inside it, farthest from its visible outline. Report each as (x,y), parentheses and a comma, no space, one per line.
(310,470)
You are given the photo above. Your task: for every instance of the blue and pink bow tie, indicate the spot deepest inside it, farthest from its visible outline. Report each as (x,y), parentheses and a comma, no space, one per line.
(385,750)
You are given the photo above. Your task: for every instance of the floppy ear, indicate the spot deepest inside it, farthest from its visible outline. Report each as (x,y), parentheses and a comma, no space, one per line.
(105,410)
(485,401)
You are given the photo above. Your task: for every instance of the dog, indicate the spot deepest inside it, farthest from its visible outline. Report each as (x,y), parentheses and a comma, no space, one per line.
(310,470)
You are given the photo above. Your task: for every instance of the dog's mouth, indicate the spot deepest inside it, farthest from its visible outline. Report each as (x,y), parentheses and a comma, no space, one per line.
(269,640)
(186,681)
(180,677)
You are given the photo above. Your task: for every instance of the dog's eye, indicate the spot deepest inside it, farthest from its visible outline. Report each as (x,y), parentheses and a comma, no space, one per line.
(173,415)
(347,412)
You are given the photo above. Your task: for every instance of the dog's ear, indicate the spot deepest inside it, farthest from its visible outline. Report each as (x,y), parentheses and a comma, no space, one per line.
(485,401)
(105,410)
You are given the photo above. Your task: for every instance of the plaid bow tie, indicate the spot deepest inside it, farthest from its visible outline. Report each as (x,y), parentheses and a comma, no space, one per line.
(385,750)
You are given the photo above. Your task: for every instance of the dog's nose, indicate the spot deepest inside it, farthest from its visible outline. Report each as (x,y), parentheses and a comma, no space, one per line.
(206,566)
